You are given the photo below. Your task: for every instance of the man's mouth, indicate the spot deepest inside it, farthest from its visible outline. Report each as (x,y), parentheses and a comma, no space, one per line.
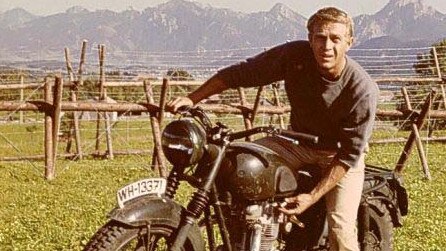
(326,57)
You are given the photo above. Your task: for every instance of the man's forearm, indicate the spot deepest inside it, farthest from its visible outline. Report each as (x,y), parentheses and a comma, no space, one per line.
(212,86)
(330,177)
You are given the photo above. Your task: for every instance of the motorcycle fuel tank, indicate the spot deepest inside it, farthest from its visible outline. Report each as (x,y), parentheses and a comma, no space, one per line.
(253,172)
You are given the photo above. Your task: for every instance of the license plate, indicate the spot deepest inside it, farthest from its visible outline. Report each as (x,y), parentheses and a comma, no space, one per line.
(141,188)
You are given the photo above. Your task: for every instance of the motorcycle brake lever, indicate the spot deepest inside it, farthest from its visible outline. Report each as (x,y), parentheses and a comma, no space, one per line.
(296,221)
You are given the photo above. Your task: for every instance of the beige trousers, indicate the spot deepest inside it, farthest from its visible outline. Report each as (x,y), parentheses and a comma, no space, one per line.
(342,201)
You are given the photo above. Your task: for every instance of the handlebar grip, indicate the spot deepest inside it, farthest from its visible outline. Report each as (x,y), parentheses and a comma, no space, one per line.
(246,133)
(300,136)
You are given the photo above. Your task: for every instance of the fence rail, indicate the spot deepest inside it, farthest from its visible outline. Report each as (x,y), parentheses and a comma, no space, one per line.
(53,106)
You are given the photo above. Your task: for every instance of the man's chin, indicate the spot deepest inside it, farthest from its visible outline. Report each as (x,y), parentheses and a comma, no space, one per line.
(325,66)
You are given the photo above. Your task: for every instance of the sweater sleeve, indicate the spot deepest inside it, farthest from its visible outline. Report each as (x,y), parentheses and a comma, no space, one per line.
(356,130)
(262,69)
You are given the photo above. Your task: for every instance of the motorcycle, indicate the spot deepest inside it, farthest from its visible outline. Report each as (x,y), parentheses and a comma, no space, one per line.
(238,187)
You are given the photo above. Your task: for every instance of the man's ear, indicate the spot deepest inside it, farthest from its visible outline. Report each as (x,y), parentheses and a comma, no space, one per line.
(350,41)
(309,38)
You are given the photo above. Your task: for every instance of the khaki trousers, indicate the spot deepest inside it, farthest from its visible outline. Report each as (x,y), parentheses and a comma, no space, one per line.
(342,201)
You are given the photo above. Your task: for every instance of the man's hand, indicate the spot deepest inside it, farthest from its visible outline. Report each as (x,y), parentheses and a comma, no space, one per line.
(212,86)
(298,204)
(330,177)
(174,104)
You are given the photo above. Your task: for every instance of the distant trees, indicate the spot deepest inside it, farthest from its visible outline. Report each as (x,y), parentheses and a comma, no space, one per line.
(179,75)
(426,65)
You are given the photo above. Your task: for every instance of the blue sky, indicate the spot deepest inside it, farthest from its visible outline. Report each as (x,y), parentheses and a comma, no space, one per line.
(304,7)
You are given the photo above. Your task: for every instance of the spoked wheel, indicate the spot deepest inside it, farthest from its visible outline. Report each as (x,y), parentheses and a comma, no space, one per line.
(380,234)
(118,236)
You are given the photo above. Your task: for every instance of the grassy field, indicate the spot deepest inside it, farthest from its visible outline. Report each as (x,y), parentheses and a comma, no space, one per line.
(62,214)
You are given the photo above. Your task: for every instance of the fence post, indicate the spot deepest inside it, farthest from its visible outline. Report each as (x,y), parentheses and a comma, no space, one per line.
(421,153)
(74,124)
(98,114)
(406,98)
(57,106)
(102,98)
(244,103)
(412,137)
(22,96)
(157,156)
(81,64)
(162,104)
(437,63)
(79,82)
(443,95)
(163,99)
(278,104)
(256,104)
(49,160)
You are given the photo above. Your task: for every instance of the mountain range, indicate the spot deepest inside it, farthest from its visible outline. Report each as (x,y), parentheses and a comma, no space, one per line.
(180,25)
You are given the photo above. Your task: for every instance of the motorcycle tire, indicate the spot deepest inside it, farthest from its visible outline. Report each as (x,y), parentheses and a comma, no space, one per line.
(380,234)
(116,236)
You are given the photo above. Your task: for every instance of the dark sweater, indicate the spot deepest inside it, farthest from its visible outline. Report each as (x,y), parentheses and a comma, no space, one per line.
(342,111)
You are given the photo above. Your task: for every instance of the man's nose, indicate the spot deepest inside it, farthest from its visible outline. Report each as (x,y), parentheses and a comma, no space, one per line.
(328,44)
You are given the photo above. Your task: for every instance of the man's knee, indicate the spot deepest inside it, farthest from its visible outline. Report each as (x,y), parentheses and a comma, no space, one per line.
(343,238)
(342,232)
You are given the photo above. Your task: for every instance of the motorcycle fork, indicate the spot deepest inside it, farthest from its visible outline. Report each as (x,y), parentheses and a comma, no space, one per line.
(147,240)
(209,229)
(198,203)
(220,219)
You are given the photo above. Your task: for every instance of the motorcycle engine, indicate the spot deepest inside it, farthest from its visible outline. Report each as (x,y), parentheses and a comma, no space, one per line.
(256,227)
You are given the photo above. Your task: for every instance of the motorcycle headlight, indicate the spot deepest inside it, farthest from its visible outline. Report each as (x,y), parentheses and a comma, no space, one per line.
(183,142)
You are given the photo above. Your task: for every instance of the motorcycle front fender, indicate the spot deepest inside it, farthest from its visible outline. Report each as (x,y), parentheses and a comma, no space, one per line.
(148,210)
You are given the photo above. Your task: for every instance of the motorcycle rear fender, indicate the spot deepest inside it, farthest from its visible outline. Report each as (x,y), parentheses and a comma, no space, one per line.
(148,210)
(393,195)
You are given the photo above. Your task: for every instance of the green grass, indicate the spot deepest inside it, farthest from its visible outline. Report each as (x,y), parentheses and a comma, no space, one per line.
(63,214)
(60,214)
(424,227)
(15,138)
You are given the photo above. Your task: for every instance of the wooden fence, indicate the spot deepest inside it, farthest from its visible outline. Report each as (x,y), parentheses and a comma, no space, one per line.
(52,106)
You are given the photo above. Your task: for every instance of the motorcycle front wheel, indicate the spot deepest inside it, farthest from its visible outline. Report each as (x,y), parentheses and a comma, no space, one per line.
(116,236)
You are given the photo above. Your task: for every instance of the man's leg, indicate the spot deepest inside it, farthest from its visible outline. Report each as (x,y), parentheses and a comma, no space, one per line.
(342,201)
(342,209)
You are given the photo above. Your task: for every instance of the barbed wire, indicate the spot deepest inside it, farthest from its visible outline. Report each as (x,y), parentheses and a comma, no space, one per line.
(137,65)
(203,63)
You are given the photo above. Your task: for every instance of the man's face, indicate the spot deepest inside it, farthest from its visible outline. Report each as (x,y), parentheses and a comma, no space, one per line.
(330,42)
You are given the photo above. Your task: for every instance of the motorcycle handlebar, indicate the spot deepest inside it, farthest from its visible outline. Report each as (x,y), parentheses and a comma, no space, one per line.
(286,133)
(292,135)
(249,132)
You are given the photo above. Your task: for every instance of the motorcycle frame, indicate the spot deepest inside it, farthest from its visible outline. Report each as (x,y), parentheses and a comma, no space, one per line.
(207,192)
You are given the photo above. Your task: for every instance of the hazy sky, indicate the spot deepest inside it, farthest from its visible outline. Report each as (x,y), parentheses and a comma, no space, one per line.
(304,7)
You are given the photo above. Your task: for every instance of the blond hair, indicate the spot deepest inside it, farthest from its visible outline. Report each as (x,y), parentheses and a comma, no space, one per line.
(330,15)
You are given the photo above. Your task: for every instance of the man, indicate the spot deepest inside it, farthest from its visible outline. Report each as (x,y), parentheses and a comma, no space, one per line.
(332,97)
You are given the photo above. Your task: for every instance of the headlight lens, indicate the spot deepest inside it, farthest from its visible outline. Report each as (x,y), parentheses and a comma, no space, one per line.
(183,142)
